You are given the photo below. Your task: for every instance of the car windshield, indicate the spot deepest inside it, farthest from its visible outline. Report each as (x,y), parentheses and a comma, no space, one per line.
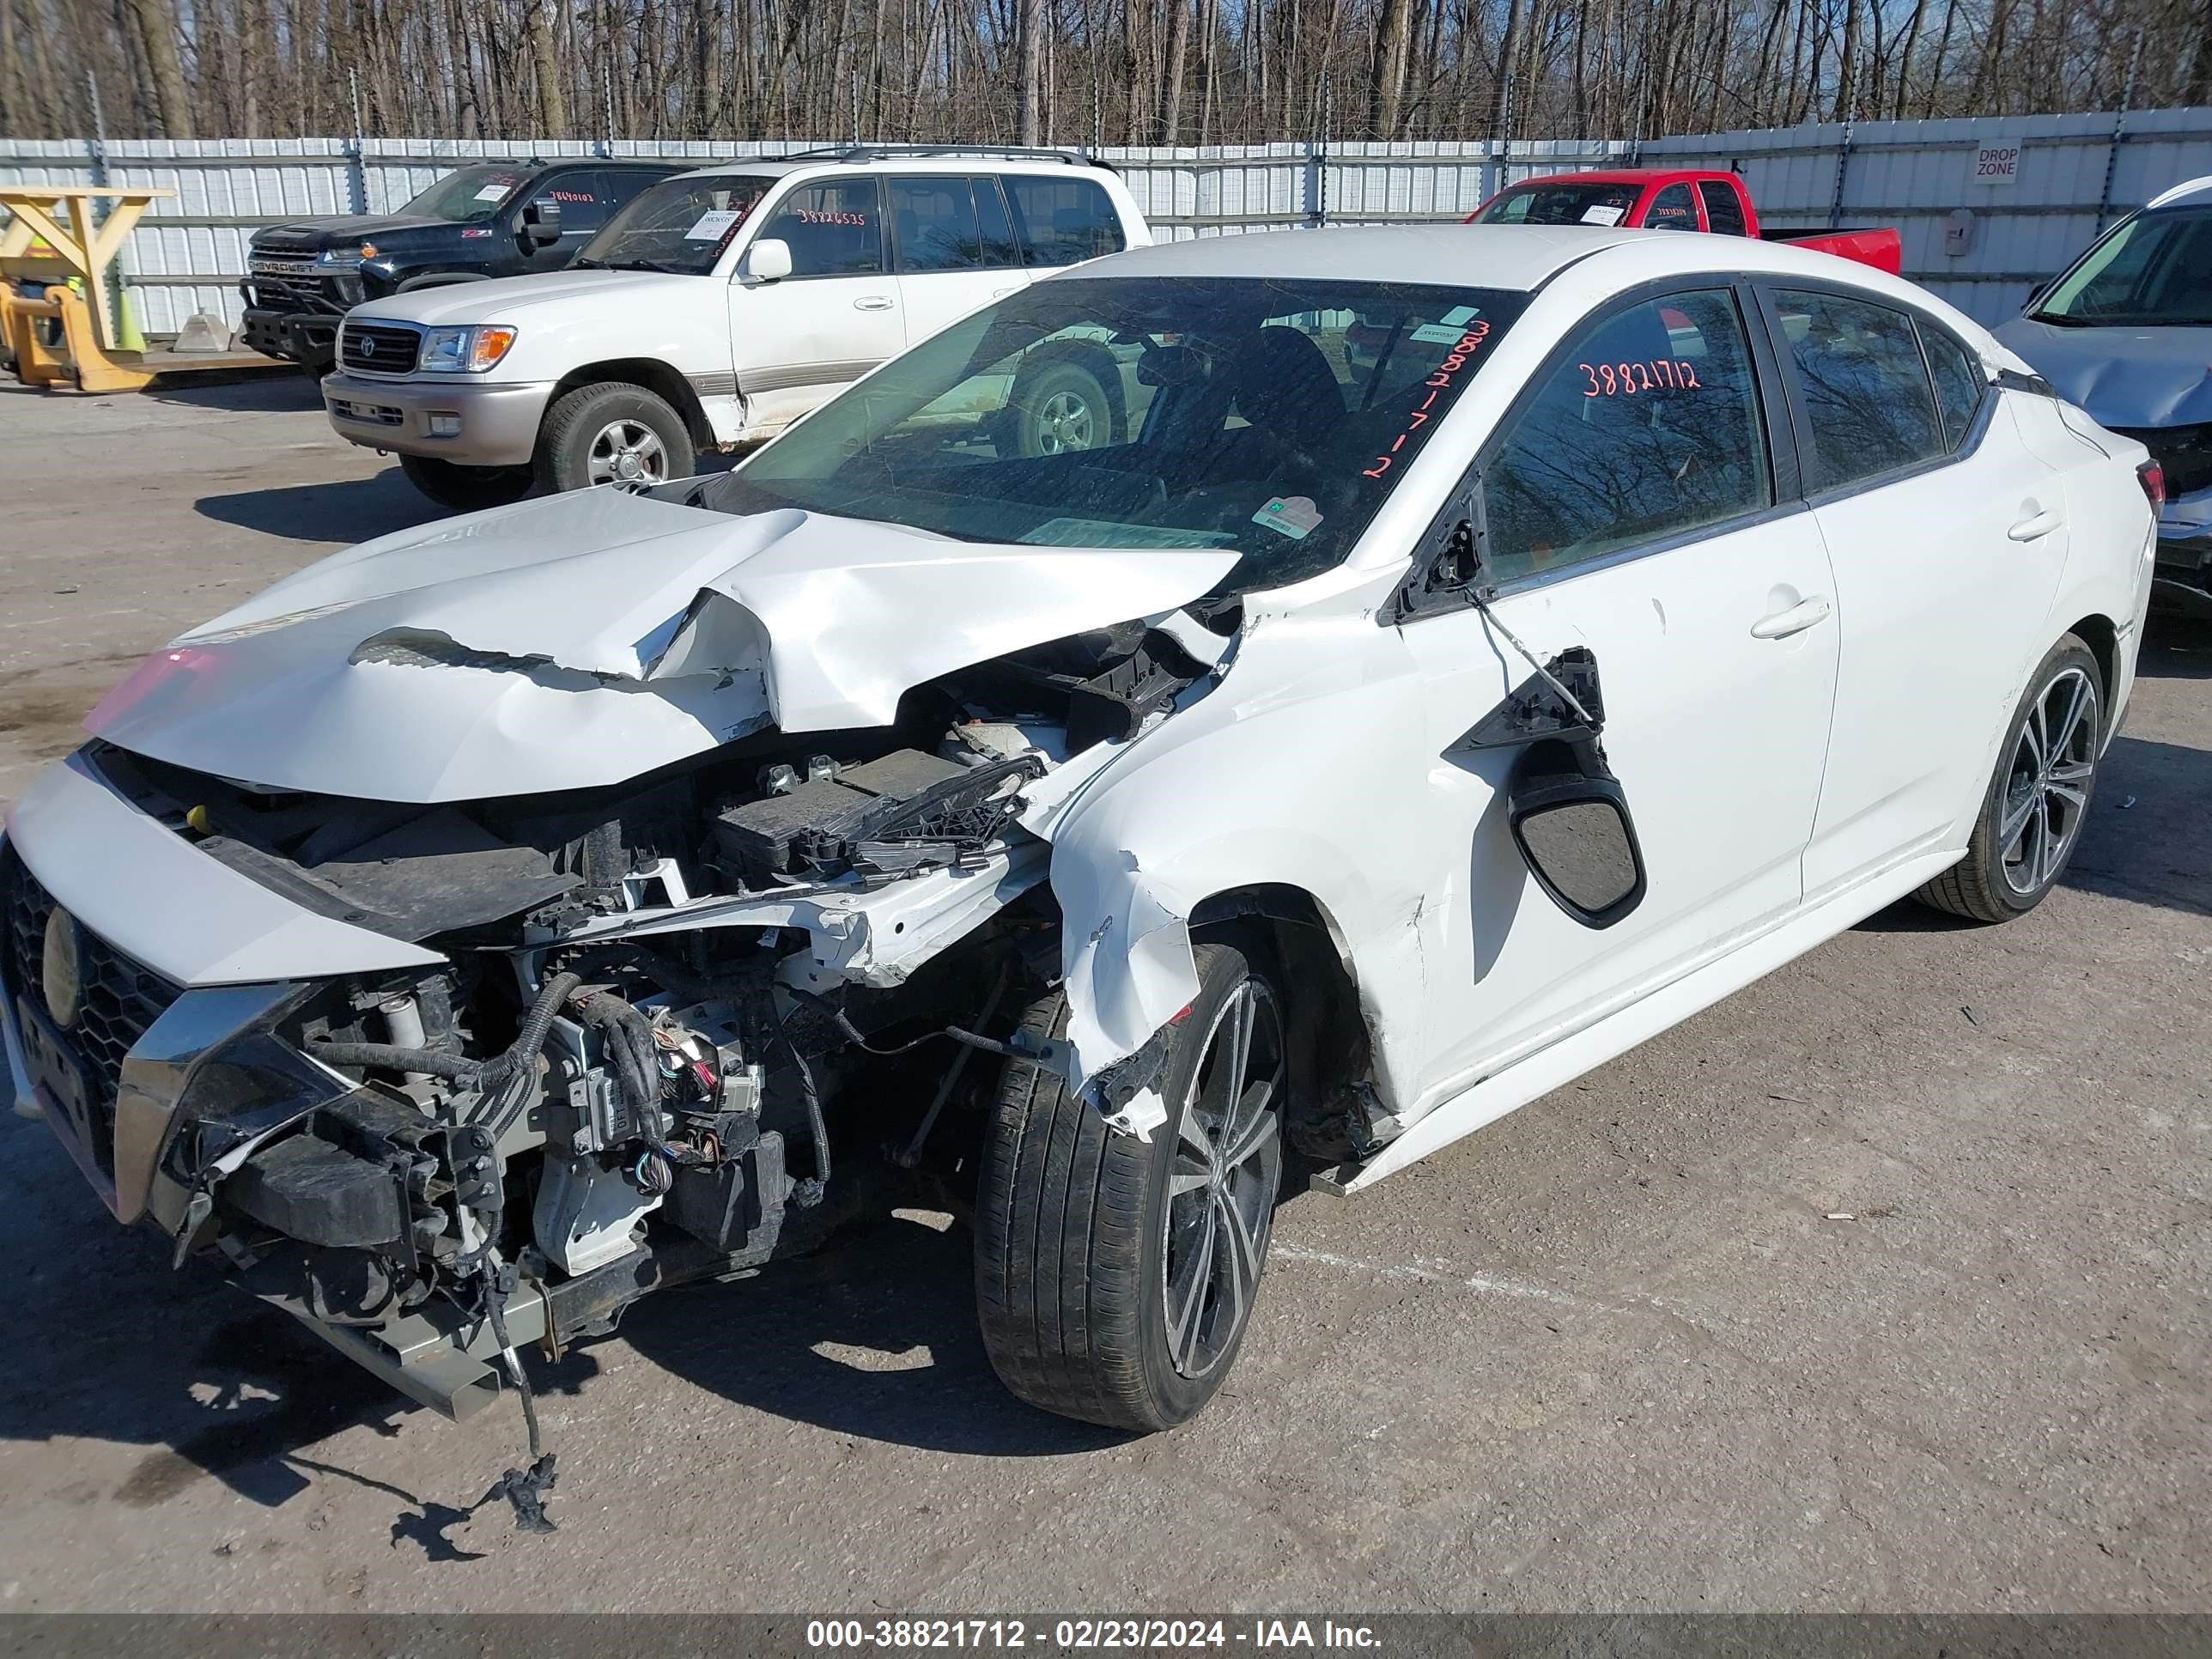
(679,225)
(1268,417)
(2154,270)
(467,195)
(1592,204)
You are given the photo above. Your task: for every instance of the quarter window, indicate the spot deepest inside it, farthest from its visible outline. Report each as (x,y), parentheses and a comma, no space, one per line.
(1866,388)
(832,229)
(1672,209)
(1960,385)
(934,220)
(1647,427)
(1724,212)
(1062,221)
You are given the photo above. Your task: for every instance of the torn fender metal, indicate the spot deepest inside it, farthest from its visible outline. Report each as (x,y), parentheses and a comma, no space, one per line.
(577,641)
(1302,769)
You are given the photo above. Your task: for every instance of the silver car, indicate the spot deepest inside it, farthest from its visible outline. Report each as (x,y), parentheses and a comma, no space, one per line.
(2126,332)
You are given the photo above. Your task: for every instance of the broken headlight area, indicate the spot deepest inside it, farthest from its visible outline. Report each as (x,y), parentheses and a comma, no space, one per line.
(684,1026)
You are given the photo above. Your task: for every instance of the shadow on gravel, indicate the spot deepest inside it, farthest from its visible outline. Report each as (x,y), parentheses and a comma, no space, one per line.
(243,391)
(342,513)
(875,1338)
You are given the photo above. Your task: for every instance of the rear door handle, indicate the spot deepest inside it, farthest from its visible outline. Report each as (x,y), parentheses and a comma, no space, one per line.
(2035,526)
(872,303)
(1806,613)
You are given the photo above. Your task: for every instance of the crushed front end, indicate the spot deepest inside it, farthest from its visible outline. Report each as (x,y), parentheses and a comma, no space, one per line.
(448,1080)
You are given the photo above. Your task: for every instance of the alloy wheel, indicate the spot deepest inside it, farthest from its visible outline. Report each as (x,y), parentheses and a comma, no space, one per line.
(627,452)
(1222,1182)
(2046,792)
(1064,423)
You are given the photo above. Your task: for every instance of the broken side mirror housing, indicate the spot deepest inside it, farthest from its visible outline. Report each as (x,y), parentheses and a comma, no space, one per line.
(1452,573)
(767,260)
(1570,820)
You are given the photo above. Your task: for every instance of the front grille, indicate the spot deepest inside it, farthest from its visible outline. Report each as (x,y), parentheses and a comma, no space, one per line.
(2183,452)
(119,998)
(380,347)
(287,284)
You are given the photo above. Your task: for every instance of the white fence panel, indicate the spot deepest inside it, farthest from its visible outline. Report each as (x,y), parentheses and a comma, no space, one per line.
(2072,175)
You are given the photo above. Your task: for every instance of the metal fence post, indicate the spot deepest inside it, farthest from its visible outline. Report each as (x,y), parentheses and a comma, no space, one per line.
(2120,135)
(1843,161)
(1317,162)
(96,146)
(356,173)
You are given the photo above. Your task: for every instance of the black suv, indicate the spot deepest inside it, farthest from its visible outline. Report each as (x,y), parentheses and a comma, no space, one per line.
(497,219)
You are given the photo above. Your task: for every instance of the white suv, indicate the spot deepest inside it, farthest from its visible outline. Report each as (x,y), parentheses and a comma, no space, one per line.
(719,307)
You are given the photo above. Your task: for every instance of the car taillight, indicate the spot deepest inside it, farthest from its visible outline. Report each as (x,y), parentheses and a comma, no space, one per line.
(2152,477)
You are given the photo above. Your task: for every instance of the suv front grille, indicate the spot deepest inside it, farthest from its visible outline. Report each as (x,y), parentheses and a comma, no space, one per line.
(118,999)
(380,347)
(2183,452)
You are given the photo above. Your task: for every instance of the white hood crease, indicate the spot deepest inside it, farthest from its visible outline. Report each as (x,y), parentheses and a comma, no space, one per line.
(581,641)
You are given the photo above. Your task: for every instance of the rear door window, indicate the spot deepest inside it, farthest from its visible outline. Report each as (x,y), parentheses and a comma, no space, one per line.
(1062,222)
(1672,209)
(833,229)
(1865,385)
(1648,426)
(583,198)
(934,225)
(996,226)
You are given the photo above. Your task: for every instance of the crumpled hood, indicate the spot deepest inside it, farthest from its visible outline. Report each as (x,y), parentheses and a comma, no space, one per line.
(2124,376)
(512,296)
(580,639)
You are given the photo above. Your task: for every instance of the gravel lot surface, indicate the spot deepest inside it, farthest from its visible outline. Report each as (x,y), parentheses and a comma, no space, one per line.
(1617,1352)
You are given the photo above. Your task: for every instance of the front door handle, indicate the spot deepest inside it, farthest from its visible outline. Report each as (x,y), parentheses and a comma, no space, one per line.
(1806,613)
(2035,526)
(872,303)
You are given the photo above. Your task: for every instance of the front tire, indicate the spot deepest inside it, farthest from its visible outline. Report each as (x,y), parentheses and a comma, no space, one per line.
(2031,818)
(614,433)
(1115,1277)
(1061,408)
(467,488)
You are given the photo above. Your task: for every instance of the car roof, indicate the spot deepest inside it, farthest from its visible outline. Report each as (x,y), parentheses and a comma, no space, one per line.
(2194,193)
(934,162)
(1613,176)
(1513,256)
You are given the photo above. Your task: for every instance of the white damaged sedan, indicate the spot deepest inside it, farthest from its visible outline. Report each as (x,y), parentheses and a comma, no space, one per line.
(1463,653)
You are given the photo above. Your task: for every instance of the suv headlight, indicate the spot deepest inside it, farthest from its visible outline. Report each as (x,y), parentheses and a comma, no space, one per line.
(469,351)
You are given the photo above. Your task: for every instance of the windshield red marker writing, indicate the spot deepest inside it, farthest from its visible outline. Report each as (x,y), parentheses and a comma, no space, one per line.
(1441,381)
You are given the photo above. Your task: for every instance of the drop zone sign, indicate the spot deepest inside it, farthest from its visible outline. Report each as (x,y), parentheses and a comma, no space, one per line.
(1997,164)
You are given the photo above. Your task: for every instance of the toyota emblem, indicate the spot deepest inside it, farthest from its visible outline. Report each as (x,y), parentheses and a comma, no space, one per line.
(369,348)
(61,973)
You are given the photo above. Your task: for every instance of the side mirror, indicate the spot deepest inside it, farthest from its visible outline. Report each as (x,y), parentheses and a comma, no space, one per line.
(767,260)
(1570,820)
(541,223)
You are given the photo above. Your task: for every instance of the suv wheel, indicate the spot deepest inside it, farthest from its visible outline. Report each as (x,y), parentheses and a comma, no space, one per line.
(2031,819)
(1116,1278)
(612,434)
(467,488)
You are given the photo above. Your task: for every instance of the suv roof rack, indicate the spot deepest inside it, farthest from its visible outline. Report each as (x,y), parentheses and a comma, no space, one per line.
(895,152)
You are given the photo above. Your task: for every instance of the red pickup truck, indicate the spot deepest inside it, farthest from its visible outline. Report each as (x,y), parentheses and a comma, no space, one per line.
(1663,198)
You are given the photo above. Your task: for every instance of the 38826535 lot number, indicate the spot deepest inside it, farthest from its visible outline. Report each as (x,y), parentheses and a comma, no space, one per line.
(1074,1635)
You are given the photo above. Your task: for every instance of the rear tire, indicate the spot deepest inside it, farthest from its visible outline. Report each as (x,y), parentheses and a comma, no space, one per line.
(1116,1278)
(467,488)
(612,432)
(2046,775)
